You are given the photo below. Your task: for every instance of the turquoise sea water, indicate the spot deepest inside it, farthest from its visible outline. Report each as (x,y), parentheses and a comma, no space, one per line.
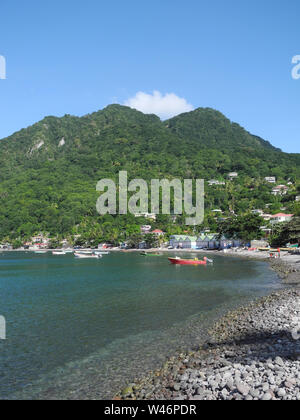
(84,328)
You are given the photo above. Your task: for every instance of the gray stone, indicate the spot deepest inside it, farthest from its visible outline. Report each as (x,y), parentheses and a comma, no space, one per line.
(281,393)
(243,388)
(267,396)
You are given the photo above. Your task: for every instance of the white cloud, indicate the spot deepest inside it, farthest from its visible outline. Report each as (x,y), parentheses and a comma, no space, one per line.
(165,106)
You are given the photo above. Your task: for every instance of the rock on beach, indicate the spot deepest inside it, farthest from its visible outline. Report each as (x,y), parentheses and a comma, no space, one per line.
(251,355)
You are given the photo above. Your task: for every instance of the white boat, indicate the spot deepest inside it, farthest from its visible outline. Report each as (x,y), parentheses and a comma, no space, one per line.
(83,251)
(59,252)
(86,255)
(102,252)
(40,252)
(69,251)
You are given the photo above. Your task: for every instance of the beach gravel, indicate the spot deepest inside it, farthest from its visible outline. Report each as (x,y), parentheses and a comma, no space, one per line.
(252,354)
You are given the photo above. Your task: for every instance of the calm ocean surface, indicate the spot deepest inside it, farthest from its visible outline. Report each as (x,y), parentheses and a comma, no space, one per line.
(84,328)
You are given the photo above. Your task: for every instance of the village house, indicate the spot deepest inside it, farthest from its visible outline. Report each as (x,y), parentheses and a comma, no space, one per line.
(146,229)
(150,216)
(217,212)
(158,232)
(233,175)
(270,179)
(281,218)
(258,212)
(266,216)
(280,190)
(215,182)
(297,198)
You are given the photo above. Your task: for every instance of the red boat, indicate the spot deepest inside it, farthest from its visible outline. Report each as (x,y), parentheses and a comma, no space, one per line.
(180,261)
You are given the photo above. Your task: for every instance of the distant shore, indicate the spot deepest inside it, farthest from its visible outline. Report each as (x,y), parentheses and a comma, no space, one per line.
(287,266)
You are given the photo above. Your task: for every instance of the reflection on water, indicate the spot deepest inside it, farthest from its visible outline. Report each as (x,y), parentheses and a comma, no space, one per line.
(82,328)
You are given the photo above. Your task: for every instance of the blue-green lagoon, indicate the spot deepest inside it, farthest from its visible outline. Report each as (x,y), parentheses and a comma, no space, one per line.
(85,328)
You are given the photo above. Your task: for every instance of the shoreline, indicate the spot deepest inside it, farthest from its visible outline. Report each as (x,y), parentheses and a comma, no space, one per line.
(253,352)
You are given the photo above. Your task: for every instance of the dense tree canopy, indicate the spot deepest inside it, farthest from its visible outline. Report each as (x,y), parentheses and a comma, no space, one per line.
(49,171)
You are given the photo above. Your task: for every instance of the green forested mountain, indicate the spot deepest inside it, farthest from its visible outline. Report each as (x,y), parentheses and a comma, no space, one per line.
(49,171)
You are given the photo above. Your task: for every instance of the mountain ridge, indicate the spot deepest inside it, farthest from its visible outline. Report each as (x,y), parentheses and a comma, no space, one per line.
(49,170)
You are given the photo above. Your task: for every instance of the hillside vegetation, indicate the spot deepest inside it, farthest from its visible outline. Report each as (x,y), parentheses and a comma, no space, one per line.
(49,171)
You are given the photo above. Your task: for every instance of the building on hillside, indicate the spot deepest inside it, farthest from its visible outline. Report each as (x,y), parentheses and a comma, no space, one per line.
(146,229)
(258,212)
(215,182)
(217,211)
(267,231)
(280,190)
(266,216)
(270,179)
(281,218)
(233,175)
(297,198)
(150,216)
(158,232)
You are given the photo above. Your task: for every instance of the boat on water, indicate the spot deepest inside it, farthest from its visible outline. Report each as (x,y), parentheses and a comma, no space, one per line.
(180,261)
(58,252)
(41,252)
(86,255)
(68,251)
(101,252)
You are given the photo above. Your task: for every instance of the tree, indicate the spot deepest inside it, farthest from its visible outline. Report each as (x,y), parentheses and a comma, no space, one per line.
(151,240)
(285,233)
(245,227)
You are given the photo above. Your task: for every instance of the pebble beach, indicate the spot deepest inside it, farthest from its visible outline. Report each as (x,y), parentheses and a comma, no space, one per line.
(253,353)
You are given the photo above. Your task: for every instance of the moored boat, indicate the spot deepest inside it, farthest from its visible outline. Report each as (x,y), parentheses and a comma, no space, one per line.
(101,252)
(180,261)
(58,252)
(87,255)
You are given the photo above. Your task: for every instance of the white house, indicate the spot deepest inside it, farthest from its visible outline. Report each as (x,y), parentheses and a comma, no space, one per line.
(270,179)
(266,216)
(146,228)
(258,211)
(150,216)
(280,190)
(297,198)
(158,232)
(281,218)
(215,182)
(233,175)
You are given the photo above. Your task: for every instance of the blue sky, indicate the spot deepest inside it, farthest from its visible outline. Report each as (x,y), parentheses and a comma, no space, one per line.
(76,57)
